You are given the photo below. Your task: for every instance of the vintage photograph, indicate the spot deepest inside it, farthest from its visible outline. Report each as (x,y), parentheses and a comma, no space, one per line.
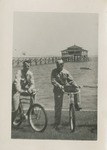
(54,76)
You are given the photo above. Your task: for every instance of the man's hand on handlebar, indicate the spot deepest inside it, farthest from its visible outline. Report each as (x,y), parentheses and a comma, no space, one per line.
(62,88)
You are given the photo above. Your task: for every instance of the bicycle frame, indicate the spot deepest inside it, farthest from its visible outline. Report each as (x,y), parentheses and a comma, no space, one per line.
(72,119)
(35,113)
(71,96)
(24,99)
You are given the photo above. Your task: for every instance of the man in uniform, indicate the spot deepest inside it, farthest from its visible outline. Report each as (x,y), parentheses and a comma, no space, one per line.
(59,78)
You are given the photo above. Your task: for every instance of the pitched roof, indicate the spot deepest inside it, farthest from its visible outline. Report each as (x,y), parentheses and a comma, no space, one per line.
(74,47)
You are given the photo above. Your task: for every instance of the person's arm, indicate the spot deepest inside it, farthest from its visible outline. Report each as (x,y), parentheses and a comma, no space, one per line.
(53,80)
(71,80)
(32,82)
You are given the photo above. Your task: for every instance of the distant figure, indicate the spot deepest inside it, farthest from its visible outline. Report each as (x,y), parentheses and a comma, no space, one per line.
(24,81)
(60,78)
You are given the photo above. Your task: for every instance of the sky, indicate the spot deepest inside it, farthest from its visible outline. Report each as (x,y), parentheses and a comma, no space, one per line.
(48,33)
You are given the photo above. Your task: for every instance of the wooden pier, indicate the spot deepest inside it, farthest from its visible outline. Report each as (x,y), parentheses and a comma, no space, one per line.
(18,61)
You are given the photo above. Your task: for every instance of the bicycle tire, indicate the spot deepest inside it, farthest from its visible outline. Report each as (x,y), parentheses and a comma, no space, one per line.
(37,118)
(18,119)
(72,117)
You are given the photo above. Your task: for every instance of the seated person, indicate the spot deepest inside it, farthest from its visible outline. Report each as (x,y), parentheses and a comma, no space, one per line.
(24,81)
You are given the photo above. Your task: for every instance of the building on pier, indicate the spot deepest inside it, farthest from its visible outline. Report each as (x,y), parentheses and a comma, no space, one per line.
(75,53)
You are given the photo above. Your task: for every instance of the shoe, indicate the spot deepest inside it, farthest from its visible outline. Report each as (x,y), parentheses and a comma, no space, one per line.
(16,122)
(78,108)
(57,127)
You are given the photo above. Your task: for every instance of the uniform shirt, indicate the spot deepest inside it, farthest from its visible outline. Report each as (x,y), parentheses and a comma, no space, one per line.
(60,78)
(24,81)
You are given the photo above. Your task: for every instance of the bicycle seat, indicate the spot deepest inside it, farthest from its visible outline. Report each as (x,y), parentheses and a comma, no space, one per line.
(28,94)
(25,94)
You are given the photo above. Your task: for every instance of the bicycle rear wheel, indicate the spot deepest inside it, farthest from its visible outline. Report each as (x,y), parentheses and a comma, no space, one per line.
(72,117)
(18,119)
(37,118)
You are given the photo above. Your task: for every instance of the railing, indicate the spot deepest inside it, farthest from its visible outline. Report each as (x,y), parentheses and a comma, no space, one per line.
(18,61)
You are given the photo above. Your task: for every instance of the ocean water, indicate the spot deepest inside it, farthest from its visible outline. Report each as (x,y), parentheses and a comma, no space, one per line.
(88,78)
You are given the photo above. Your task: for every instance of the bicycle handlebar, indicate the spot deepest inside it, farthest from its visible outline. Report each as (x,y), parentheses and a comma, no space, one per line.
(26,93)
(73,92)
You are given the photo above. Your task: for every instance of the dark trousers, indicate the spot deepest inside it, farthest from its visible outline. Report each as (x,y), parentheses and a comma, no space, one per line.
(76,100)
(58,97)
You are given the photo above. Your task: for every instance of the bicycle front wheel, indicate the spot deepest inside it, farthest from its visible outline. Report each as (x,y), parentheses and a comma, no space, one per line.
(72,117)
(37,118)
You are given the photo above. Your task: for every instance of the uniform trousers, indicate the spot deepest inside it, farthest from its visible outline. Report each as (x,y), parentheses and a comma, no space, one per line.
(58,98)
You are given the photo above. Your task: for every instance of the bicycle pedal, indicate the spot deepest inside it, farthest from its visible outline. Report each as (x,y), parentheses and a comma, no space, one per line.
(25,117)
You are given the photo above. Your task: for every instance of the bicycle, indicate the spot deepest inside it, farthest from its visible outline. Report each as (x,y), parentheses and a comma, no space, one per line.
(72,117)
(36,114)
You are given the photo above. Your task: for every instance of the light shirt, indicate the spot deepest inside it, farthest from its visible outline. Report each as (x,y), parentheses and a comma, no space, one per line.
(24,81)
(61,78)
